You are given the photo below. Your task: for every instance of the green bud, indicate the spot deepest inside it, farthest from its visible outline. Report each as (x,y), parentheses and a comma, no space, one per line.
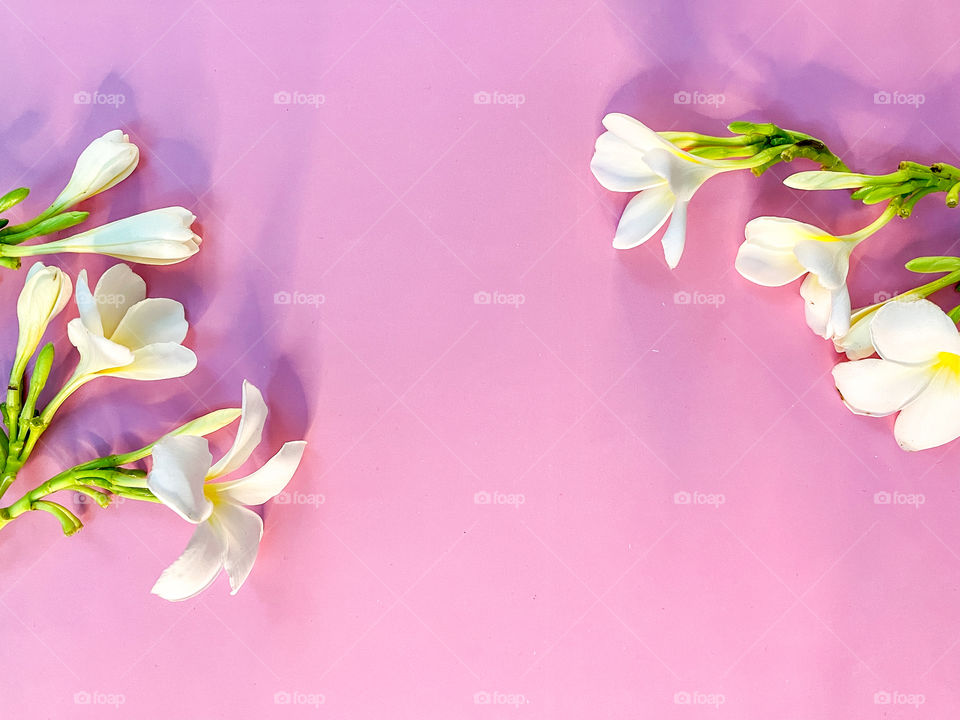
(38,379)
(47,227)
(933,264)
(953,196)
(12,198)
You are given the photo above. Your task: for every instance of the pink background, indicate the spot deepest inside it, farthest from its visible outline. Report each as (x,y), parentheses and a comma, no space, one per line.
(383,589)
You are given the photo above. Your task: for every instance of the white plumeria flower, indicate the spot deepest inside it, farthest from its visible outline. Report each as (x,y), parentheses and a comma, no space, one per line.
(103,163)
(631,157)
(156,237)
(917,374)
(228,533)
(45,293)
(779,250)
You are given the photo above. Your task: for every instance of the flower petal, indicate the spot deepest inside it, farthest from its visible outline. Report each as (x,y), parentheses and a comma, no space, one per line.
(685,172)
(878,387)
(154,320)
(180,466)
(856,342)
(766,266)
(828,260)
(913,332)
(159,361)
(118,289)
(266,482)
(240,531)
(827,310)
(675,237)
(619,166)
(778,233)
(254,415)
(97,354)
(826,180)
(195,570)
(934,417)
(643,216)
(87,306)
(634,132)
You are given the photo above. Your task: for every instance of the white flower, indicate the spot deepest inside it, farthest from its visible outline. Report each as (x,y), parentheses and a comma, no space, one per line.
(122,333)
(105,162)
(631,157)
(156,237)
(45,293)
(228,533)
(779,250)
(917,373)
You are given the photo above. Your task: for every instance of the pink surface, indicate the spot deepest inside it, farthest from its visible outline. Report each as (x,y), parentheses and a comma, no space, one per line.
(387,588)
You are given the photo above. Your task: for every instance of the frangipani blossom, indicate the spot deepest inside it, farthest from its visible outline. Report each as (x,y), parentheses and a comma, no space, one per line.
(779,250)
(156,237)
(45,293)
(123,333)
(631,157)
(103,163)
(228,533)
(917,374)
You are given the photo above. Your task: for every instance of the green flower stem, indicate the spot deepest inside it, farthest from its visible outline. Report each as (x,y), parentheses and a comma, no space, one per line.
(25,226)
(890,212)
(93,483)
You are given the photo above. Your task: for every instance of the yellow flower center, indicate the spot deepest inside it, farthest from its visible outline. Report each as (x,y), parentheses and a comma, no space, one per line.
(950,362)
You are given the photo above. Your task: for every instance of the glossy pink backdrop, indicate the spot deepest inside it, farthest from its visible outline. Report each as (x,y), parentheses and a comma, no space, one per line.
(490,521)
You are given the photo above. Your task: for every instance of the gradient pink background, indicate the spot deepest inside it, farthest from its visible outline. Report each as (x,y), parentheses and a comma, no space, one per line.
(383,589)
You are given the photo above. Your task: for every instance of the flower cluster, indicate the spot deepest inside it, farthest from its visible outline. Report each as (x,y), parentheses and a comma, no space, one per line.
(120,332)
(918,370)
